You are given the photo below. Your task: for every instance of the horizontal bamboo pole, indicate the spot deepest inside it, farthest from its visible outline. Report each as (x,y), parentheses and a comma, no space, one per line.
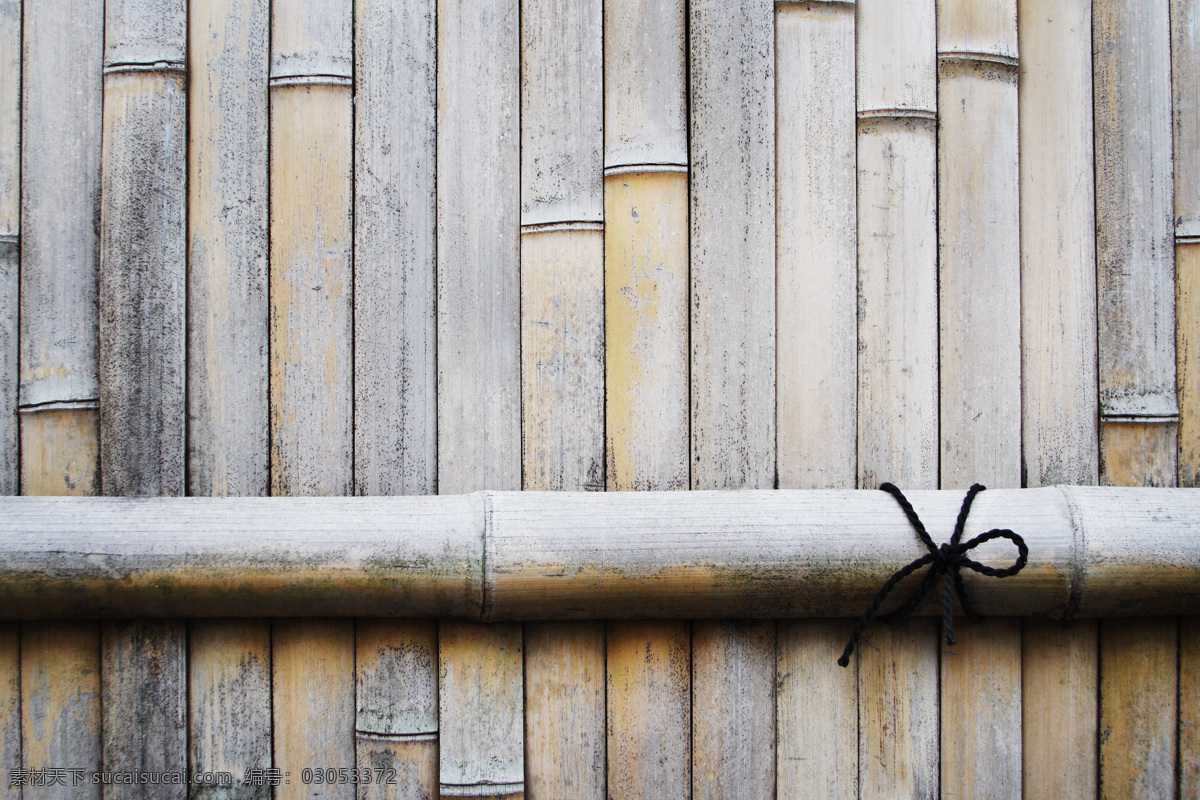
(1094,551)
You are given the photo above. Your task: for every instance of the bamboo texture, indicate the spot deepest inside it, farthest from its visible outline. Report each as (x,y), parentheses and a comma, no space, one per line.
(816,314)
(312,687)
(10,708)
(396,723)
(229,704)
(143,681)
(1185,82)
(1189,707)
(1139,694)
(1059,681)
(60,679)
(10,227)
(311,237)
(143,248)
(228,415)
(1134,242)
(395,324)
(63,51)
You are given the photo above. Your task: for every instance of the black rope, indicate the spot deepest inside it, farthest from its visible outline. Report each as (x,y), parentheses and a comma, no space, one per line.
(945,560)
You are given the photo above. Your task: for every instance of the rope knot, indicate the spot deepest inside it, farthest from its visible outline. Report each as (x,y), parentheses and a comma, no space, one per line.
(946,559)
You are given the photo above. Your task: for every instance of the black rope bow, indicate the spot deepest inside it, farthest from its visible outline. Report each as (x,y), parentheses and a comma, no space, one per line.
(946,560)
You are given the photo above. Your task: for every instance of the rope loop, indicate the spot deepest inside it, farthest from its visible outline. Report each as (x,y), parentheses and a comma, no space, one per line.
(946,559)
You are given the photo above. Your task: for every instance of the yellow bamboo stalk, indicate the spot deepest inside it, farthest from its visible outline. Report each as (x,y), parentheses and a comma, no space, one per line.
(1059,674)
(59,390)
(482,749)
(312,687)
(649,710)
(10,708)
(229,700)
(1189,707)
(60,680)
(1139,695)
(227,237)
(397,708)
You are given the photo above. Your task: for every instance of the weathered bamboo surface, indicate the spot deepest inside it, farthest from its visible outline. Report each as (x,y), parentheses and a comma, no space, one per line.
(1093,552)
(227,331)
(10,707)
(10,227)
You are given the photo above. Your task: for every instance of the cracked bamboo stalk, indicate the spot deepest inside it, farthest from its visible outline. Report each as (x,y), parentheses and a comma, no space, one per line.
(227,220)
(143,248)
(59,384)
(732,105)
(481,749)
(646,362)
(562,332)
(311,88)
(817,334)
(10,242)
(1059,380)
(980,342)
(60,681)
(395,369)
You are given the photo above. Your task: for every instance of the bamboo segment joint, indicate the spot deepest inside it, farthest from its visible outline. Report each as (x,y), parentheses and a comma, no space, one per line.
(898,113)
(60,405)
(627,169)
(481,789)
(157,66)
(311,80)
(979,57)
(567,225)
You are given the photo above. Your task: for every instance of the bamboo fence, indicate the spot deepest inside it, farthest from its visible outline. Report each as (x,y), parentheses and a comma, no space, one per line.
(621,282)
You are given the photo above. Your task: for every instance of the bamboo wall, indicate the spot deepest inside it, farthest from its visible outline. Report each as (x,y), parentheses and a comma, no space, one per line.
(333,247)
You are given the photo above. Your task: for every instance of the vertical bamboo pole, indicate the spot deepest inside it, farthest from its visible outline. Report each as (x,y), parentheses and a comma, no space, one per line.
(229,703)
(980,363)
(649,710)
(1138,707)
(482,748)
(1185,81)
(229,674)
(312,690)
(479,368)
(144,703)
(311,282)
(648,695)
(227,221)
(10,709)
(816,379)
(60,199)
(732,92)
(395,371)
(60,708)
(143,248)
(1134,242)
(142,273)
(897,365)
(10,221)
(1138,411)
(646,245)
(817,712)
(1059,382)
(397,708)
(1189,707)
(816,324)
(1059,674)
(562,351)
(311,82)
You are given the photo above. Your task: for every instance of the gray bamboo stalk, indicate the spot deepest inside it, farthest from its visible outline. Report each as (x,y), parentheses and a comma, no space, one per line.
(10,222)
(143,248)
